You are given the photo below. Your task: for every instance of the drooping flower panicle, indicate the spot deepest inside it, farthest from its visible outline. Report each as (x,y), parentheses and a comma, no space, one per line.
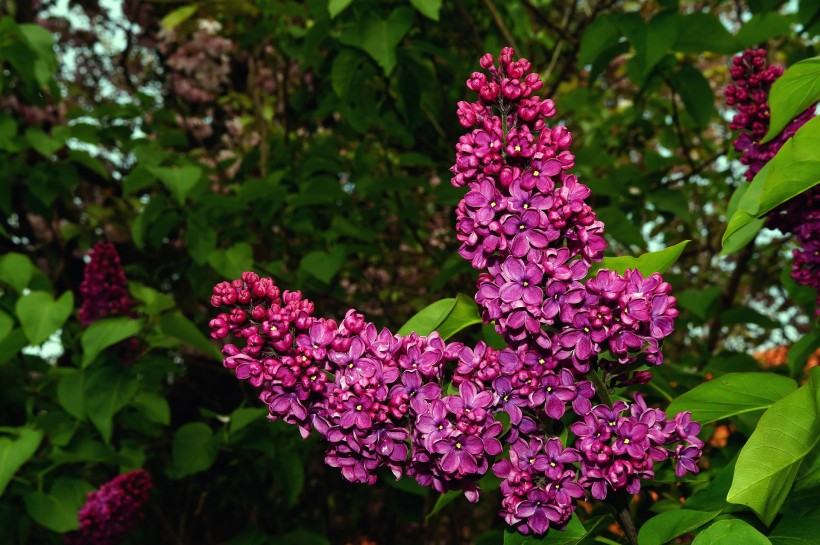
(112,511)
(385,400)
(104,288)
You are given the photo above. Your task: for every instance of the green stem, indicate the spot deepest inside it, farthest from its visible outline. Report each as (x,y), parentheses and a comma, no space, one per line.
(600,388)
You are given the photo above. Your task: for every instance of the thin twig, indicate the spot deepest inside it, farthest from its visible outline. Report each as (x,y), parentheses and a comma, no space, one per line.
(499,22)
(547,22)
(687,153)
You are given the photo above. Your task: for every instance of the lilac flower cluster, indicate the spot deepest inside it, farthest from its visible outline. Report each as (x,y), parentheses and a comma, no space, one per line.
(525,224)
(799,216)
(112,511)
(104,288)
(433,410)
(376,397)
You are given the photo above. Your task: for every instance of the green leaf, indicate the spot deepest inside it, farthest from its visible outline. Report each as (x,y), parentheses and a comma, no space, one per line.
(289,470)
(792,94)
(796,530)
(58,510)
(12,344)
(429,318)
(764,27)
(6,325)
(728,531)
(232,262)
(428,8)
(651,40)
(667,526)
(335,7)
(343,72)
(71,393)
(15,453)
(648,263)
(324,265)
(16,270)
(379,37)
(107,390)
(741,230)
(573,534)
(795,169)
(732,394)
(179,180)
(177,325)
(696,94)
(769,461)
(443,501)
(620,227)
(154,407)
(105,333)
(41,42)
(713,497)
(200,240)
(49,511)
(244,416)
(179,16)
(699,302)
(194,449)
(463,314)
(153,301)
(44,144)
(601,35)
(799,352)
(704,32)
(40,315)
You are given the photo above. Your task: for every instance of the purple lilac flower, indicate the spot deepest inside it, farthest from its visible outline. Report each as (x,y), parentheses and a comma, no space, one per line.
(104,289)
(112,511)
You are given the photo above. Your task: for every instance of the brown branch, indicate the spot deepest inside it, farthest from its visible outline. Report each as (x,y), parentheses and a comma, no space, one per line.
(728,297)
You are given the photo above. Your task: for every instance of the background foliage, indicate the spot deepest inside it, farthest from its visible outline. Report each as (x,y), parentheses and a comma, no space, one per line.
(311,141)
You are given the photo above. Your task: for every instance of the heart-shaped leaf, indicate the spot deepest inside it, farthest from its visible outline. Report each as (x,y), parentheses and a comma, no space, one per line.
(40,315)
(16,452)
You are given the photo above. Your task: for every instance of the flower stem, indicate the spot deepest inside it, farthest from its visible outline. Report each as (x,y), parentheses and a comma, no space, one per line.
(620,501)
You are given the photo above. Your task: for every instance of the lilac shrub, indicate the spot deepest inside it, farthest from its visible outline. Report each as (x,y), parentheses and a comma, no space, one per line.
(433,410)
(800,216)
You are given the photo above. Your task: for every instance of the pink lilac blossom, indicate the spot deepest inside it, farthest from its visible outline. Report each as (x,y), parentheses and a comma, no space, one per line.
(800,216)
(385,400)
(104,287)
(112,511)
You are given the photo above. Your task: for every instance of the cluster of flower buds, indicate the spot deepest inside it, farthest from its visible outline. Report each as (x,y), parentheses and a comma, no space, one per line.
(104,288)
(799,216)
(385,400)
(749,94)
(112,511)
